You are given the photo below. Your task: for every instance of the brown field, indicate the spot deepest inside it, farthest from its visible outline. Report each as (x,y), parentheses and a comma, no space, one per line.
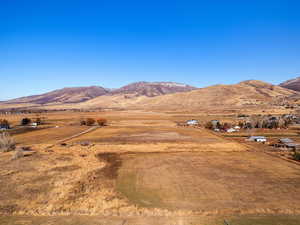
(142,169)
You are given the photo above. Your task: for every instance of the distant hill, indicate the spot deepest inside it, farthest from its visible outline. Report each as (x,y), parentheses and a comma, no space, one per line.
(152,89)
(65,95)
(247,93)
(162,96)
(83,94)
(293,84)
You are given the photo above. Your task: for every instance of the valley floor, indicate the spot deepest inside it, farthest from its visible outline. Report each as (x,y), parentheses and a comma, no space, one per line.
(144,169)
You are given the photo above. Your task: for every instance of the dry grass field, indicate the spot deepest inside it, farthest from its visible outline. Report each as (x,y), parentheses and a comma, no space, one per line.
(143,169)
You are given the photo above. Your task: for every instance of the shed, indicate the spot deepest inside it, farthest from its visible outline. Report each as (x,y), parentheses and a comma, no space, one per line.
(286,140)
(293,146)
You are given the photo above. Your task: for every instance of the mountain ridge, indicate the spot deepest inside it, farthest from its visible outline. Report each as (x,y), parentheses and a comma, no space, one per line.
(171,96)
(82,94)
(293,84)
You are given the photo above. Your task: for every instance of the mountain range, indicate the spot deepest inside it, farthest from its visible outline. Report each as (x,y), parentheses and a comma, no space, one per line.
(164,96)
(293,84)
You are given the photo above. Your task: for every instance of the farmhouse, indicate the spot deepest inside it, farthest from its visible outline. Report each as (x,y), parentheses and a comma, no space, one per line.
(257,138)
(231,130)
(237,127)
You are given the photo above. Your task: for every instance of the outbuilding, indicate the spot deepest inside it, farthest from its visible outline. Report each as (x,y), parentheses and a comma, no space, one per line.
(286,140)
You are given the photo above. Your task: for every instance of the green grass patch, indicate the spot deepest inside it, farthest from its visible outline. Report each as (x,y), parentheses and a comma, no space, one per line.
(144,197)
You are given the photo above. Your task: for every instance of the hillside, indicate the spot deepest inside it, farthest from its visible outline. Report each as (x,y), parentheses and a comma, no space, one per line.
(152,89)
(248,93)
(97,96)
(162,96)
(65,95)
(293,84)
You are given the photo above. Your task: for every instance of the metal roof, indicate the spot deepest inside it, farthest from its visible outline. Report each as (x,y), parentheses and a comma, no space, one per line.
(257,137)
(291,145)
(286,140)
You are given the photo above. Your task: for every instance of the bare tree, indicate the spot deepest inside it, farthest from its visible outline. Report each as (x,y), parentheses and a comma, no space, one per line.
(7,143)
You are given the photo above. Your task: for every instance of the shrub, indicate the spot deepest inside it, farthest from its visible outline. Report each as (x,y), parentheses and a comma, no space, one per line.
(102,122)
(82,122)
(38,121)
(19,153)
(7,143)
(25,121)
(90,121)
(297,156)
(209,125)
(4,124)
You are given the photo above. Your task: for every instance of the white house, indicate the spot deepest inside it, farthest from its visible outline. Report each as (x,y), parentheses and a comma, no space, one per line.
(231,130)
(192,122)
(257,138)
(34,124)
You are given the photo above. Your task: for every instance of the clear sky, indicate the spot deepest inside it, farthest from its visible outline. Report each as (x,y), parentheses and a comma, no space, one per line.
(50,44)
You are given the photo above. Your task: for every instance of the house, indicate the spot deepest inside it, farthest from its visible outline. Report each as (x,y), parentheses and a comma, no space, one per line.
(231,130)
(192,122)
(237,127)
(34,124)
(257,138)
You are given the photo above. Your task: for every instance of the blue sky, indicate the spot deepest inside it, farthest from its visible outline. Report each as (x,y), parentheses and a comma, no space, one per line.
(45,45)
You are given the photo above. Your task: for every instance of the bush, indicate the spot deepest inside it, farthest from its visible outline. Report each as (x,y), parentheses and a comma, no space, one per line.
(4,124)
(297,156)
(209,125)
(90,121)
(7,143)
(38,121)
(82,122)
(102,121)
(25,121)
(19,153)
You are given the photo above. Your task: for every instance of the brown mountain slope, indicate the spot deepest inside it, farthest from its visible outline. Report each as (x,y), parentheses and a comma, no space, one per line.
(293,84)
(248,93)
(152,89)
(81,94)
(251,93)
(133,93)
(65,95)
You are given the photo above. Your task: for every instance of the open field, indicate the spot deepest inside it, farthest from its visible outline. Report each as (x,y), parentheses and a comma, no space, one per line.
(192,220)
(143,168)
